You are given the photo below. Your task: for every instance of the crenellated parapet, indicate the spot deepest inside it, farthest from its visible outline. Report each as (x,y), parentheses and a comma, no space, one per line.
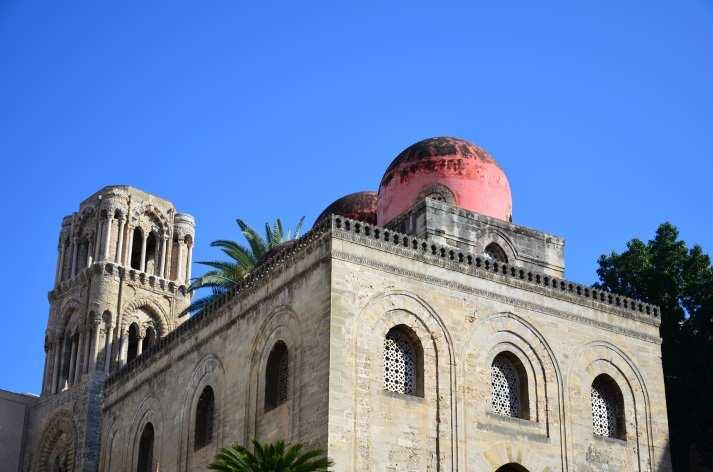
(477,264)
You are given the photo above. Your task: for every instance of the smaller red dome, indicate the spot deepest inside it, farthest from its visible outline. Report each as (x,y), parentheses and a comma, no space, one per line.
(357,206)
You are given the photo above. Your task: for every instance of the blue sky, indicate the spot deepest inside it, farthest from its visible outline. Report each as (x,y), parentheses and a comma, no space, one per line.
(601,114)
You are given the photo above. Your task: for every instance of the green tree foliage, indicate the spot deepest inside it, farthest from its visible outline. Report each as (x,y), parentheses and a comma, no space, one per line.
(276,457)
(679,279)
(241,260)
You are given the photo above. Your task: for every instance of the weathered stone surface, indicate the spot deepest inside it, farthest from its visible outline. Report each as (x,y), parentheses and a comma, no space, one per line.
(105,283)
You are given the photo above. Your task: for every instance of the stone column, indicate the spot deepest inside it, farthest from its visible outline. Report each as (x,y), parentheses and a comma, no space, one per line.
(120,242)
(55,367)
(66,344)
(169,251)
(80,358)
(90,252)
(142,264)
(189,250)
(88,344)
(72,360)
(130,245)
(123,349)
(44,370)
(97,245)
(180,262)
(162,261)
(140,344)
(107,237)
(74,257)
(107,348)
(60,263)
(94,343)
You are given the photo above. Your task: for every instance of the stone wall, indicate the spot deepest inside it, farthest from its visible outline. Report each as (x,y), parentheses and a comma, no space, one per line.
(14,415)
(464,315)
(446,224)
(227,349)
(333,298)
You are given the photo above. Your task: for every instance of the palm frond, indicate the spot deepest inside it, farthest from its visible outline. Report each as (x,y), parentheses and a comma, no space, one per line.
(274,457)
(298,229)
(241,259)
(257,244)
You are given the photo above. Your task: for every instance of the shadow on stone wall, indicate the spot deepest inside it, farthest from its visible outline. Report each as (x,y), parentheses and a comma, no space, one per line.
(700,453)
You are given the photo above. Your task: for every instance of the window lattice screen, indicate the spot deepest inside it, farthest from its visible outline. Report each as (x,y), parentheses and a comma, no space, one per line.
(283,379)
(399,364)
(605,411)
(505,388)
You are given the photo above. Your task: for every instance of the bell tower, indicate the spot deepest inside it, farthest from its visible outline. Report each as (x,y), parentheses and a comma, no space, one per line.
(123,267)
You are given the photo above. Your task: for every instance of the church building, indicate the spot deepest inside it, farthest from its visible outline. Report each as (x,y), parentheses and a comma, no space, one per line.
(414,328)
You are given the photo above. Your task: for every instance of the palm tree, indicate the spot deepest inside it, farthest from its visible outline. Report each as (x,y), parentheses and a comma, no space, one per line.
(275,457)
(226,274)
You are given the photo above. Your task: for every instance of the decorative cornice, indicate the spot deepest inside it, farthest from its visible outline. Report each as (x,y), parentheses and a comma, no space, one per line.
(516,302)
(127,274)
(471,263)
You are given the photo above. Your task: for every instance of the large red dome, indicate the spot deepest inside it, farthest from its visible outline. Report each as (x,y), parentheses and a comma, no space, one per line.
(449,169)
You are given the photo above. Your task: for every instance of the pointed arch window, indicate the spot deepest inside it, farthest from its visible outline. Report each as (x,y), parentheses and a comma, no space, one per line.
(509,387)
(205,418)
(403,361)
(146,443)
(607,408)
(277,376)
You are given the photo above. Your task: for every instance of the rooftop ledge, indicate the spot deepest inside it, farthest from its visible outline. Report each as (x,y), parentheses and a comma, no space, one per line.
(402,244)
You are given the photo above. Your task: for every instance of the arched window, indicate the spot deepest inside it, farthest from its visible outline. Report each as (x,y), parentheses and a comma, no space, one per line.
(137,241)
(205,412)
(403,361)
(133,342)
(509,386)
(438,196)
(607,408)
(512,467)
(496,253)
(149,338)
(151,254)
(277,376)
(145,459)
(437,192)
